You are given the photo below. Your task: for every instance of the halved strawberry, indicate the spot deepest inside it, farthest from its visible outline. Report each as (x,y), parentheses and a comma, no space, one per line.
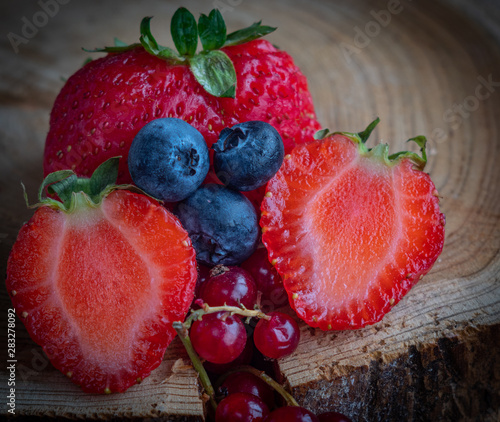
(351,229)
(99,277)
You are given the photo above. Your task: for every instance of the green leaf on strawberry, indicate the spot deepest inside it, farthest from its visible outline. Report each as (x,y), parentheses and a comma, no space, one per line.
(212,68)
(184,32)
(382,150)
(119,43)
(250,33)
(67,186)
(212,30)
(151,46)
(419,161)
(105,175)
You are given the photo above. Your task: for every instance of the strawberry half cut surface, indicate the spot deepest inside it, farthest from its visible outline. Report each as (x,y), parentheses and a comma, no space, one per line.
(98,278)
(351,229)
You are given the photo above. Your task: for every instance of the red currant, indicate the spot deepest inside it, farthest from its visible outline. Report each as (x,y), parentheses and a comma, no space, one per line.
(246,382)
(218,337)
(203,276)
(333,417)
(267,280)
(291,414)
(243,359)
(231,286)
(241,407)
(278,336)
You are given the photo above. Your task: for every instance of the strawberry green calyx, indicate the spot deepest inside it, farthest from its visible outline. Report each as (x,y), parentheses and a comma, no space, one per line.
(419,160)
(211,67)
(77,192)
(381,151)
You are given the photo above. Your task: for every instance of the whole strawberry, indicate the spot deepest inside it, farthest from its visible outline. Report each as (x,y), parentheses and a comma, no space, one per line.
(351,229)
(98,277)
(235,78)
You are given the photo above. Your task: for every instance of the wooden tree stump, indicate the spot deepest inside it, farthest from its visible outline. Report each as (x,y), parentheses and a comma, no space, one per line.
(430,68)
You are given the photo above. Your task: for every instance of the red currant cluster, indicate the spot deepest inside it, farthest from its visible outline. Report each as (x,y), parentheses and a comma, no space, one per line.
(232,343)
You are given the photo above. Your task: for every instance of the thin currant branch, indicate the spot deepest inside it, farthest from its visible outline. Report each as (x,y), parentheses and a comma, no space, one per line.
(272,383)
(182,329)
(231,310)
(183,333)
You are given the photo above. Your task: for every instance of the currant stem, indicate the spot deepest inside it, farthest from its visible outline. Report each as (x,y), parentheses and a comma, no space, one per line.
(232,310)
(183,333)
(275,385)
(182,329)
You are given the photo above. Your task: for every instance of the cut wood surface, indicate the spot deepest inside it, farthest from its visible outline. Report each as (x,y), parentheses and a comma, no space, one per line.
(425,68)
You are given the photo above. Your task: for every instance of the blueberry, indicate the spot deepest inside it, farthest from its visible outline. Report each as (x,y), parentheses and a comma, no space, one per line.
(222,224)
(248,155)
(168,159)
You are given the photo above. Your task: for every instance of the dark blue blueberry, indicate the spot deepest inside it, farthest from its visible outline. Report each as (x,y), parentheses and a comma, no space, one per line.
(168,159)
(222,224)
(248,155)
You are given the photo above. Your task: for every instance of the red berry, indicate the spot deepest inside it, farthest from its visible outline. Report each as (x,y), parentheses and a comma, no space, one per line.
(230,286)
(333,417)
(267,280)
(203,276)
(218,337)
(364,229)
(246,382)
(98,286)
(291,414)
(278,336)
(244,358)
(241,407)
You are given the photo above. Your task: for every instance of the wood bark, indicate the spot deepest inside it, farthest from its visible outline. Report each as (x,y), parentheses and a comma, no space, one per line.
(426,67)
